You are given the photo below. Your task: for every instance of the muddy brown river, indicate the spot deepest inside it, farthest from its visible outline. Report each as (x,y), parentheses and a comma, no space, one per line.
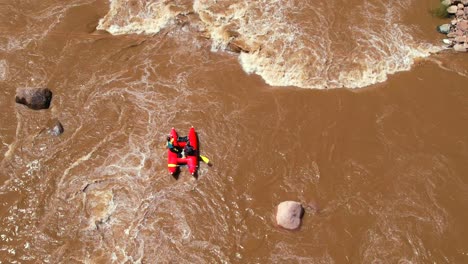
(352,108)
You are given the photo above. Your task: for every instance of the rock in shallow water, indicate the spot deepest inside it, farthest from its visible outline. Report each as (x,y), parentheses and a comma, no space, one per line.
(289,214)
(55,128)
(99,207)
(444,29)
(34,98)
(448,41)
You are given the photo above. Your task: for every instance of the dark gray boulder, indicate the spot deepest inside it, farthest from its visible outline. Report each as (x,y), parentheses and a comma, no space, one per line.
(34,98)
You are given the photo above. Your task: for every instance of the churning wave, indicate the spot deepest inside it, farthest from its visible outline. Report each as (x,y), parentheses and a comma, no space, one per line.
(328,44)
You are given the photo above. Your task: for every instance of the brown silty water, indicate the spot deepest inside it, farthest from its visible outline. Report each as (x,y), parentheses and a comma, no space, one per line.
(381,164)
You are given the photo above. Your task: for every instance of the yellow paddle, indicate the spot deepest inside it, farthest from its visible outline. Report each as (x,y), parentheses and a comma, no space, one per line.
(205,159)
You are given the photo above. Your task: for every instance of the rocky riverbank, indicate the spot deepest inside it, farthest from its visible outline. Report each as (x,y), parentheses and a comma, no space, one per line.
(457,29)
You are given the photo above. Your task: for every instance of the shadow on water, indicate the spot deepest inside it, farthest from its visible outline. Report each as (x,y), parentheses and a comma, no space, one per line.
(176,174)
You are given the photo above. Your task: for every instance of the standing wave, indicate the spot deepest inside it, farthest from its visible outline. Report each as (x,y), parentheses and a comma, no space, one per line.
(308,44)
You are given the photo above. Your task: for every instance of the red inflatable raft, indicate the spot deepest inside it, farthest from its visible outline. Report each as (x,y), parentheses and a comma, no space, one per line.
(175,159)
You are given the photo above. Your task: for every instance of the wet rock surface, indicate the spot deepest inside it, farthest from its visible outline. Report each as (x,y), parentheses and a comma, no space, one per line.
(289,215)
(55,128)
(34,98)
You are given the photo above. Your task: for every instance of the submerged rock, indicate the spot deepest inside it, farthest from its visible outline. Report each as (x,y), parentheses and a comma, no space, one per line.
(99,207)
(34,98)
(446,2)
(239,45)
(56,128)
(289,214)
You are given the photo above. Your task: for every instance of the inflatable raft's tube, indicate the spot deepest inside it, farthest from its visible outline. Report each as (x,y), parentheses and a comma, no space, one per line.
(173,160)
(192,161)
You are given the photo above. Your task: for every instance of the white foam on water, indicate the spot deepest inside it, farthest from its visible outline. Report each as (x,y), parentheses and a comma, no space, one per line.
(127,17)
(3,70)
(286,52)
(33,166)
(218,23)
(390,48)
(120,183)
(292,44)
(387,48)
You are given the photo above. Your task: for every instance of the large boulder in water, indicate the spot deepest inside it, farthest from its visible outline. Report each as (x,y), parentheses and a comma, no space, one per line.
(34,98)
(289,214)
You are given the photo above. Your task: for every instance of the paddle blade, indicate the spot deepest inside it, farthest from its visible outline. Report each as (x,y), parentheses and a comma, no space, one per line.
(206,160)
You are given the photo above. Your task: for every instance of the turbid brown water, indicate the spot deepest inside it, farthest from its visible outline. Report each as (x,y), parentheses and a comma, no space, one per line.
(384,166)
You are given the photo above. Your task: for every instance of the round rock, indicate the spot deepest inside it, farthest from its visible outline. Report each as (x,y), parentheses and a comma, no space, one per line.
(289,214)
(452,9)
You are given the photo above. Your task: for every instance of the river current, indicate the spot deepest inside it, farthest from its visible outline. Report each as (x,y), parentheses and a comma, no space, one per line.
(352,108)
